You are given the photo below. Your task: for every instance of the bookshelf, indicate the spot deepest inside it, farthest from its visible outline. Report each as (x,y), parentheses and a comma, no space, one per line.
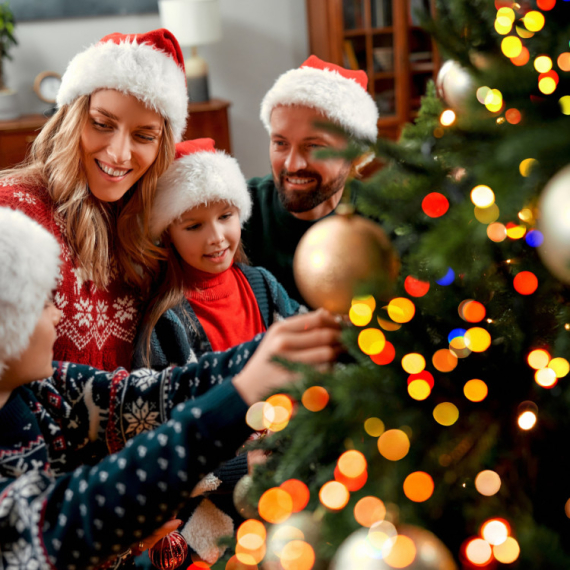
(383,38)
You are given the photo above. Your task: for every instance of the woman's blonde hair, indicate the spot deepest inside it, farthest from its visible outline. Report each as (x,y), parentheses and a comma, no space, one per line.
(95,230)
(168,291)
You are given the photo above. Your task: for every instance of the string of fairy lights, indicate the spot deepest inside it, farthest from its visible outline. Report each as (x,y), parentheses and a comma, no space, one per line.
(275,536)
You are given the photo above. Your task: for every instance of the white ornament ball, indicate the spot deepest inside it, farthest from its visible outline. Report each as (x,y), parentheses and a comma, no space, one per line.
(455,85)
(357,553)
(554,224)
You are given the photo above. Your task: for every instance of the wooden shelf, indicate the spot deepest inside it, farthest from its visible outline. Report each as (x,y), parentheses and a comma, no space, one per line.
(328,34)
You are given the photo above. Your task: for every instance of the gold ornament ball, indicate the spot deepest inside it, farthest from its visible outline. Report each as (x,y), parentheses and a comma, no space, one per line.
(358,553)
(554,224)
(455,85)
(240,497)
(337,254)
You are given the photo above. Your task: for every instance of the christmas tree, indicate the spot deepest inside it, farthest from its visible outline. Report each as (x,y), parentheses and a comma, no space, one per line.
(442,443)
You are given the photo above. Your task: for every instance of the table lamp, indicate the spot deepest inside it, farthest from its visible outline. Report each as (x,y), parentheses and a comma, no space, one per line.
(194,23)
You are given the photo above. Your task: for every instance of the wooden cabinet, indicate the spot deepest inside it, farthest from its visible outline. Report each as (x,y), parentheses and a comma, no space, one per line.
(16,137)
(208,119)
(382,38)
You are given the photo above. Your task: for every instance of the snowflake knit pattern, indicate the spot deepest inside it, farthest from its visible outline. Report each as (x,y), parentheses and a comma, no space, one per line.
(97,326)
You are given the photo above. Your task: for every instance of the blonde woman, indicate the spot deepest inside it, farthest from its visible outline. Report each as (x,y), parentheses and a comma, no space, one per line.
(90,181)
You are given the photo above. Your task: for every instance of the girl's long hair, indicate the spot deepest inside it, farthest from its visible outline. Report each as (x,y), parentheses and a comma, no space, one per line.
(167,292)
(96,231)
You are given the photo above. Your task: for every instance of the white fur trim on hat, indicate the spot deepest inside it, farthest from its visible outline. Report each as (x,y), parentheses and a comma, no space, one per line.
(196,179)
(340,99)
(140,70)
(29,257)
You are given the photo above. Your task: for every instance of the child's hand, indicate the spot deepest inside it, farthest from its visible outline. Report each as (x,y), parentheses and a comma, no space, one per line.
(311,338)
(151,540)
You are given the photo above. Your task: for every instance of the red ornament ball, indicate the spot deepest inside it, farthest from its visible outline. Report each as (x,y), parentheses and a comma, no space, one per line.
(435,205)
(169,552)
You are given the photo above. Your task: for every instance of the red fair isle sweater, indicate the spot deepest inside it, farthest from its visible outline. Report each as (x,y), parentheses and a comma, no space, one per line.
(97,326)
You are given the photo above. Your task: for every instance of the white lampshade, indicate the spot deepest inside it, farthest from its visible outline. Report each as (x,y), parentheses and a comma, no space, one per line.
(193,22)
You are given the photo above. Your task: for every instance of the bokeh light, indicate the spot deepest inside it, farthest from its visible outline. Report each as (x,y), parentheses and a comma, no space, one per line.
(487,215)
(388,325)
(526,166)
(482,196)
(371,341)
(351,483)
(542,64)
(360,314)
(277,412)
(478,552)
(374,427)
(435,205)
(455,333)
(423,375)
(533,21)
(508,551)
(481,93)
(546,377)
(545,4)
(352,463)
(488,483)
(419,390)
(254,416)
(547,85)
(386,356)
(250,557)
(447,279)
(527,420)
(315,398)
(503,25)
(560,366)
(381,536)
(334,495)
(526,215)
(563,61)
(478,339)
(565,104)
(297,555)
(522,58)
(444,360)
(446,414)
(418,486)
(495,531)
(523,32)
(511,46)
(525,283)
(299,493)
(366,299)
(251,534)
(538,358)
(475,390)
(369,511)
(515,231)
(458,347)
(471,311)
(401,310)
(413,363)
(513,116)
(534,238)
(234,564)
(400,553)
(275,505)
(497,232)
(393,444)
(447,118)
(494,99)
(414,287)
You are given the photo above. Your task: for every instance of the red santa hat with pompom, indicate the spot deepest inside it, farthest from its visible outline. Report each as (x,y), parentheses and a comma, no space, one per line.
(199,175)
(340,94)
(149,66)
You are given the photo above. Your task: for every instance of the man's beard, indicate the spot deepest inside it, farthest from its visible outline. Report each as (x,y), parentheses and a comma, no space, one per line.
(298,201)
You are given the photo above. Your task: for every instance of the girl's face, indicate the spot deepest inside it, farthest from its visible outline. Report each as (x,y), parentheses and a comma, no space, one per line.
(36,361)
(207,237)
(119,143)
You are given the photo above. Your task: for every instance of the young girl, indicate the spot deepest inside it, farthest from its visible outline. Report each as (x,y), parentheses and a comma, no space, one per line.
(204,301)
(64,503)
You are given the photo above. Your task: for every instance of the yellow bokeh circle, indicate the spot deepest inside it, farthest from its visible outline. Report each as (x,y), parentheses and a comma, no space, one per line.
(401,310)
(334,495)
(413,363)
(374,427)
(393,444)
(534,21)
(542,63)
(511,46)
(508,551)
(360,314)
(560,366)
(419,389)
(446,413)
(482,196)
(477,339)
(475,390)
(371,341)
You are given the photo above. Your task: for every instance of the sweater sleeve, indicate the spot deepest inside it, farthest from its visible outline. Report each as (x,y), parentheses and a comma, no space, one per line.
(283,305)
(120,405)
(89,516)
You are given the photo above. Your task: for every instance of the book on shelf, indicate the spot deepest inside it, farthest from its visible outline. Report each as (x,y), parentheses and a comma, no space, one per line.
(353,14)
(350,60)
(381,13)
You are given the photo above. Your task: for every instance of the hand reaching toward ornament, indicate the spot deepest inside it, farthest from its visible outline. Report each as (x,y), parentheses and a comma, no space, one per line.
(150,541)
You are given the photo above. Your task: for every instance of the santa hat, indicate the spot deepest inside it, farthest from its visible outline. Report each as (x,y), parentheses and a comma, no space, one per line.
(29,257)
(148,66)
(340,94)
(200,174)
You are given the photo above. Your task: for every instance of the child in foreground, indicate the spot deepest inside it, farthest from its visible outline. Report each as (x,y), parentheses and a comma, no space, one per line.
(207,297)
(64,501)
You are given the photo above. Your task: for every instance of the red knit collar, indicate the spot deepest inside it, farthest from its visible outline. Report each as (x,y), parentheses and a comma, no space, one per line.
(206,286)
